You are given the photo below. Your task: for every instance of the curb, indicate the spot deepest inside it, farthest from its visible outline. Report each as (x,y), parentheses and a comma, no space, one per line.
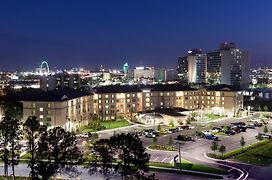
(232,167)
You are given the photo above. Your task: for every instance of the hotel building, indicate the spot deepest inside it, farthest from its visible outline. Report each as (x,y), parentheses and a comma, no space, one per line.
(73,108)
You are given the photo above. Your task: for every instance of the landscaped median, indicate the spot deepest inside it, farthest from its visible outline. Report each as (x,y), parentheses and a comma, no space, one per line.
(162,148)
(97,125)
(188,168)
(258,153)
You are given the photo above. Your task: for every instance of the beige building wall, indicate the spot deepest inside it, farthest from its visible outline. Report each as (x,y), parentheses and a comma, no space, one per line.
(69,114)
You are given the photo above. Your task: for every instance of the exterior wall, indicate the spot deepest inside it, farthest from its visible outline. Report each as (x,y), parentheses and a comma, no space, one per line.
(69,114)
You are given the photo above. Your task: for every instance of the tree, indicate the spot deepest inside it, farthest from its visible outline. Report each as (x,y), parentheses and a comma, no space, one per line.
(31,127)
(222,149)
(259,108)
(103,158)
(265,130)
(265,108)
(130,152)
(242,142)
(159,127)
(214,146)
(10,132)
(259,137)
(170,142)
(57,150)
(172,124)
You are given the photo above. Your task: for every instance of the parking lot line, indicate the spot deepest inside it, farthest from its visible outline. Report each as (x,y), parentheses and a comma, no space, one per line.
(155,159)
(164,159)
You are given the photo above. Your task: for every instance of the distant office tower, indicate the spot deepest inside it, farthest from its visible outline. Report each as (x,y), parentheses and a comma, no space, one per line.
(125,68)
(183,68)
(228,65)
(60,81)
(197,66)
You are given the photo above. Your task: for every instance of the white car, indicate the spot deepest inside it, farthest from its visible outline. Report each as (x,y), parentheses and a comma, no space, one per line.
(24,148)
(206,132)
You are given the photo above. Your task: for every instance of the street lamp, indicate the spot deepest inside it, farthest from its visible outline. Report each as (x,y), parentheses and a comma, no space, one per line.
(154,120)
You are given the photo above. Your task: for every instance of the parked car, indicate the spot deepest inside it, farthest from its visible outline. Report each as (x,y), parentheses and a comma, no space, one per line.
(243,128)
(206,132)
(165,131)
(250,126)
(216,129)
(150,135)
(230,132)
(267,136)
(173,130)
(184,138)
(211,137)
(236,130)
(24,148)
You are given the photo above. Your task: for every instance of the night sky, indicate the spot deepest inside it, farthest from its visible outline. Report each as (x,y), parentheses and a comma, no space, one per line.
(141,32)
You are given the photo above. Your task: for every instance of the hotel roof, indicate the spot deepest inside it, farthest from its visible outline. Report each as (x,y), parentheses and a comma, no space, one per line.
(56,95)
(140,88)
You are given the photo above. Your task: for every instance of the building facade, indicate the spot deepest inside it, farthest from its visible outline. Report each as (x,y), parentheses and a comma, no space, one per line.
(69,109)
(124,101)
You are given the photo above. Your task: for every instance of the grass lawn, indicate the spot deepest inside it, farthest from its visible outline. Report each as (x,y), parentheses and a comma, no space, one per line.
(108,124)
(186,165)
(213,116)
(115,124)
(260,155)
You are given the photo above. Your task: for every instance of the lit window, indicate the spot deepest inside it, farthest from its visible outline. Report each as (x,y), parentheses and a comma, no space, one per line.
(41,116)
(41,109)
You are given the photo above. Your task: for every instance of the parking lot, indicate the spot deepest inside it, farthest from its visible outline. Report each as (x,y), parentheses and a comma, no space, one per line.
(196,148)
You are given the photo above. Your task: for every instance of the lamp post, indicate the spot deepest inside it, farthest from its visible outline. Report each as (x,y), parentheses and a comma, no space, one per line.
(154,120)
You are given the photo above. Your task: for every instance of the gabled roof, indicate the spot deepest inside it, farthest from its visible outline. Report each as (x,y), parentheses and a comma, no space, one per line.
(223,87)
(140,88)
(56,95)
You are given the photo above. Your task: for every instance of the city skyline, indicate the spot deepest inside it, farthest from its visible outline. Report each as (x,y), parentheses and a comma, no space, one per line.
(90,34)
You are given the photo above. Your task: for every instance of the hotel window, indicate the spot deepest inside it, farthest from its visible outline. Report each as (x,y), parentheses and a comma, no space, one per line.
(99,101)
(33,112)
(107,106)
(208,97)
(128,100)
(106,96)
(223,103)
(33,105)
(161,94)
(112,96)
(49,119)
(107,112)
(41,116)
(161,103)
(112,101)
(48,112)
(223,98)
(99,107)
(191,97)
(99,96)
(41,109)
(133,95)
(107,101)
(133,105)
(48,105)
(147,95)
